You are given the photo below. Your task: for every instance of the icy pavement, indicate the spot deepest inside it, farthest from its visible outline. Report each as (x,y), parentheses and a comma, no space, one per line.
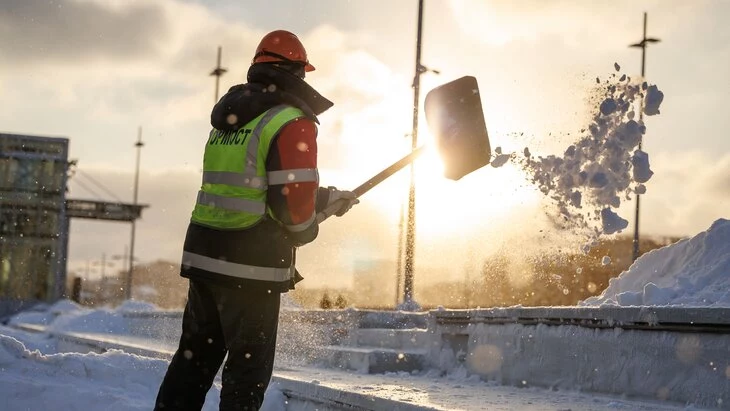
(458,392)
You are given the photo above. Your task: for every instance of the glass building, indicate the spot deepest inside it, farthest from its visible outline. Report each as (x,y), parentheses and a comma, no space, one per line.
(33,221)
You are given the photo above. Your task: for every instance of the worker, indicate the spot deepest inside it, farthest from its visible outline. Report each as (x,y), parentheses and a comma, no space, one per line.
(260,199)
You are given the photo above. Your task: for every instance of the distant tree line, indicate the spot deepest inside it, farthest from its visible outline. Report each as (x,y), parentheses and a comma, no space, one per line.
(556,278)
(540,280)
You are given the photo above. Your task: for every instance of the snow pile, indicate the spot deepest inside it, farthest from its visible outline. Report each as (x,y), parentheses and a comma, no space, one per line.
(693,272)
(43,314)
(41,342)
(33,316)
(81,382)
(33,381)
(65,315)
(604,166)
(64,306)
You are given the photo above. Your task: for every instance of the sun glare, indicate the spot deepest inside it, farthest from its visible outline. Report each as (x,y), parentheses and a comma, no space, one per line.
(454,208)
(447,208)
(444,208)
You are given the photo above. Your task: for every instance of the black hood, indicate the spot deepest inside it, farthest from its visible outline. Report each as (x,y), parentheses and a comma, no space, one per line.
(267,86)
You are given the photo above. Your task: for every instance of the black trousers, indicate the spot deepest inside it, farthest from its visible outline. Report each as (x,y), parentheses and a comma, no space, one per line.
(219,321)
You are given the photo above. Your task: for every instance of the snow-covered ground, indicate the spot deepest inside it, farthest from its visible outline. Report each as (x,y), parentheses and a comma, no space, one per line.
(693,272)
(34,377)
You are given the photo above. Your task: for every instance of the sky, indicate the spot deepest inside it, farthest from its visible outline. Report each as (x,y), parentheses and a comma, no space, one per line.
(690,273)
(95,71)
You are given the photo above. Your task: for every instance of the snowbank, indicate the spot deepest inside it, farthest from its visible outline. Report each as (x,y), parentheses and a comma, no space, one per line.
(43,314)
(113,381)
(693,272)
(33,381)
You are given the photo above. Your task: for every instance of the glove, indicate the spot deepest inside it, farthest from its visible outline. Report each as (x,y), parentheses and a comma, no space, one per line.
(339,202)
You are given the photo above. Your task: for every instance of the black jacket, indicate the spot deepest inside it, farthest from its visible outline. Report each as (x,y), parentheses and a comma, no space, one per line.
(266,244)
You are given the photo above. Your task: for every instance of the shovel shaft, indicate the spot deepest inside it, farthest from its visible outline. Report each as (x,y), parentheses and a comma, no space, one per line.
(373,181)
(394,168)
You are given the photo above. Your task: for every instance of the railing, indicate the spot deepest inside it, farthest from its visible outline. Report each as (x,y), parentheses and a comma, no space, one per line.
(101,210)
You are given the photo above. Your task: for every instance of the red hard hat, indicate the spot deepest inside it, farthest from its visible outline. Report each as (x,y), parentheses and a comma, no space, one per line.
(281,45)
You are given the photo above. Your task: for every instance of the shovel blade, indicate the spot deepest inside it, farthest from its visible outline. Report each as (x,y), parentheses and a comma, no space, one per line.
(455,119)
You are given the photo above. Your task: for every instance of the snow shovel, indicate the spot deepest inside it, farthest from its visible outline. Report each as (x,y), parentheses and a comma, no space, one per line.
(455,118)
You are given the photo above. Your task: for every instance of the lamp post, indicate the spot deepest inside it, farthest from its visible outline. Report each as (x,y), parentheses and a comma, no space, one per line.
(645,41)
(411,221)
(128,288)
(218,71)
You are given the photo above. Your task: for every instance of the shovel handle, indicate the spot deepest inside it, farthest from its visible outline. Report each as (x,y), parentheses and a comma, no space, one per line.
(373,181)
(394,168)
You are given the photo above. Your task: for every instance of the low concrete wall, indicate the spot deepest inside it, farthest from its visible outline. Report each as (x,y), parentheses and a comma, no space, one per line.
(595,354)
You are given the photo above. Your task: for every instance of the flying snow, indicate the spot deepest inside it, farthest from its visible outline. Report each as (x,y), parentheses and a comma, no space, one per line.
(604,167)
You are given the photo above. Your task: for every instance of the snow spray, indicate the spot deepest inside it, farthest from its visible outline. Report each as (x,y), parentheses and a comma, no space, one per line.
(604,167)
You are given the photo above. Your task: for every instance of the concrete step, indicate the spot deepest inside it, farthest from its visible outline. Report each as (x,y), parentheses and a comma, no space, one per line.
(374,360)
(406,339)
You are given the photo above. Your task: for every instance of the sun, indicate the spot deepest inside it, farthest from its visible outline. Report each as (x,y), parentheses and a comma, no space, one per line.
(446,207)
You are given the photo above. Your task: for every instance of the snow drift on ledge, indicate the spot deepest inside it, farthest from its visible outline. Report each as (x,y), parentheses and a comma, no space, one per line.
(693,272)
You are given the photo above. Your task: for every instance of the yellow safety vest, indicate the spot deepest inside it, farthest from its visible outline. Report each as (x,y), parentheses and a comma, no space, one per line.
(235,180)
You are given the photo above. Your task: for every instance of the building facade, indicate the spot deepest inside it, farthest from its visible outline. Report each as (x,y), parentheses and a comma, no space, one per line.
(33,221)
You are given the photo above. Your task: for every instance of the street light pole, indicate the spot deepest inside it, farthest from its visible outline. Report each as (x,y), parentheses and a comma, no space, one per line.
(642,45)
(128,288)
(218,71)
(410,243)
(411,222)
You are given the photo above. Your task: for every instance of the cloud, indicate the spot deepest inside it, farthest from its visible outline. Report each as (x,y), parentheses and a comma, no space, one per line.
(605,25)
(501,22)
(688,191)
(169,91)
(92,90)
(38,31)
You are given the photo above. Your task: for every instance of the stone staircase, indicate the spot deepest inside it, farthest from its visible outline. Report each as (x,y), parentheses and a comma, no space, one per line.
(369,342)
(380,350)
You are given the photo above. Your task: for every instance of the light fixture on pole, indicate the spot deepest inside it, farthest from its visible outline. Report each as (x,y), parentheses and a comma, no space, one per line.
(218,71)
(128,288)
(645,41)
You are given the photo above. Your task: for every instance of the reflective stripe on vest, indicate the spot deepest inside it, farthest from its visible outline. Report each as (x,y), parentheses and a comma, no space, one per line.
(250,272)
(231,203)
(233,193)
(295,175)
(233,179)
